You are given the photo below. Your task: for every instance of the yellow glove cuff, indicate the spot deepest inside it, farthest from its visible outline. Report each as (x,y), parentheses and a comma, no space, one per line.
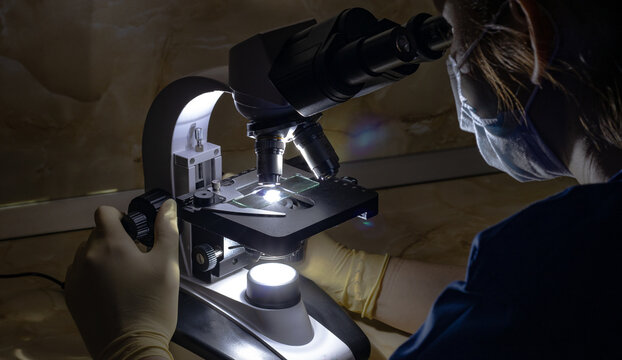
(136,345)
(362,285)
(369,308)
(351,277)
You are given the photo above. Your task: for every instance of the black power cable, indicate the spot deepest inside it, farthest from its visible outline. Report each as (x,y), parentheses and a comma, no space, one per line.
(38,274)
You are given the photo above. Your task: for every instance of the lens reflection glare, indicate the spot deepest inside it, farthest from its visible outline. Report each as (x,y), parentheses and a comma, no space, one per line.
(272,196)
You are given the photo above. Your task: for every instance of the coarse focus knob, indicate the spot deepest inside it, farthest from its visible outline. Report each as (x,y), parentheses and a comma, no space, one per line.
(136,225)
(141,215)
(204,198)
(204,257)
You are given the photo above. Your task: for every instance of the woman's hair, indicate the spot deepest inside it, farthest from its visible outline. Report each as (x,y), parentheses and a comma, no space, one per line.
(504,59)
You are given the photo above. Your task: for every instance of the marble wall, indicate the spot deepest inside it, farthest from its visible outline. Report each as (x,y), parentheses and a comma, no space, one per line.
(77,78)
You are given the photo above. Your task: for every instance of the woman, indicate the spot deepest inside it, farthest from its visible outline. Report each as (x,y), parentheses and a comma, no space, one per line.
(538,83)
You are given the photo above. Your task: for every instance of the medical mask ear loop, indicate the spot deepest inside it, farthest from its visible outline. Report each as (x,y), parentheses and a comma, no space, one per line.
(471,47)
(550,60)
(525,116)
(457,65)
(527,119)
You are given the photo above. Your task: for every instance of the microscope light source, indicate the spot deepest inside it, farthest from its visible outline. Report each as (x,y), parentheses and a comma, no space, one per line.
(272,274)
(272,286)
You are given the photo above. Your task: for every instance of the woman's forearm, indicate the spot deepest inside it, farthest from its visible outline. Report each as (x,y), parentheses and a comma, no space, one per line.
(409,289)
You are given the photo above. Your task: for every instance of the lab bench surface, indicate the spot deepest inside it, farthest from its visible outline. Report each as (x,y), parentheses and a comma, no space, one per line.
(432,222)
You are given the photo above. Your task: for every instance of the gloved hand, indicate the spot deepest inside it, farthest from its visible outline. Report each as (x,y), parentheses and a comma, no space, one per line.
(351,277)
(124,301)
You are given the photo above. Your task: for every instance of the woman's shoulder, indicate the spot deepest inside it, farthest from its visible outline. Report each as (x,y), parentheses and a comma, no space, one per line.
(578,208)
(580,226)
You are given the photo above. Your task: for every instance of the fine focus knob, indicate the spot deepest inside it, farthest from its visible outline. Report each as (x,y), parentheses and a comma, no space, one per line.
(205,257)
(204,198)
(141,215)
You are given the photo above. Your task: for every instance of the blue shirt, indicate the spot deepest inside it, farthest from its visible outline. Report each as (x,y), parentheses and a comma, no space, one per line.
(542,284)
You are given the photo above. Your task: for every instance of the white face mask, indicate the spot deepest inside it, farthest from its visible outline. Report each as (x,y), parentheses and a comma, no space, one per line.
(508,142)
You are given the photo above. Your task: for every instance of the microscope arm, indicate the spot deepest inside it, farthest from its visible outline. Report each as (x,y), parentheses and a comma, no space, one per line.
(167,133)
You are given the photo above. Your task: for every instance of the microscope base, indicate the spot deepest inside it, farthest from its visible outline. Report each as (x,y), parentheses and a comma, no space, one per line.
(212,335)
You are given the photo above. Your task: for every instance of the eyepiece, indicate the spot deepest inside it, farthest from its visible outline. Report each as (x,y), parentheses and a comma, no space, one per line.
(269,151)
(316,150)
(367,58)
(386,50)
(430,35)
(397,48)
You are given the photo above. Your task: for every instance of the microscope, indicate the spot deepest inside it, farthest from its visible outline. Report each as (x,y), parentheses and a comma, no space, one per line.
(238,298)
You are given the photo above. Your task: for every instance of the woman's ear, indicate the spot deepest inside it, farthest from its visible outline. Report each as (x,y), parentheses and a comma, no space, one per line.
(541,34)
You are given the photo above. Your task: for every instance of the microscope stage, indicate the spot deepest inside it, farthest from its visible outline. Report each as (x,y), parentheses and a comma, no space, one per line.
(309,207)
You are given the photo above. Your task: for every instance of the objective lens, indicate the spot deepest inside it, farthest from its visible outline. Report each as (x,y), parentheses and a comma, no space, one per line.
(316,150)
(269,150)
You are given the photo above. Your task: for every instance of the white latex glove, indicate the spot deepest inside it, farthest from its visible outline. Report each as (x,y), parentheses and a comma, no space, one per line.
(351,277)
(124,301)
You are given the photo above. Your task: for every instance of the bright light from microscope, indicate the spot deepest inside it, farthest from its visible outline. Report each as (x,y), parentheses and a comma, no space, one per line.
(272,196)
(273,274)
